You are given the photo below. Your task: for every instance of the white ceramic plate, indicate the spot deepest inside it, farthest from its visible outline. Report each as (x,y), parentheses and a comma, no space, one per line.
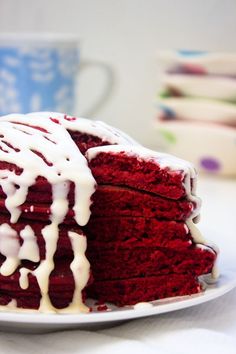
(36,322)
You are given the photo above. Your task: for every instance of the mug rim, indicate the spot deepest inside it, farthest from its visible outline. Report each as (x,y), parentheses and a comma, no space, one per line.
(38,38)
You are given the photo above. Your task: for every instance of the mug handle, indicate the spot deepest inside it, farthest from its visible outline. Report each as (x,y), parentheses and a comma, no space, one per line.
(108,88)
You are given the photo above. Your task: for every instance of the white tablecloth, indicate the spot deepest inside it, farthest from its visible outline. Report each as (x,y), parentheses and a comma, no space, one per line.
(207,328)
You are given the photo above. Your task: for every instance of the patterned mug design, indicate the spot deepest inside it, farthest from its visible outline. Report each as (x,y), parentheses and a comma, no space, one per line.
(38,72)
(37,78)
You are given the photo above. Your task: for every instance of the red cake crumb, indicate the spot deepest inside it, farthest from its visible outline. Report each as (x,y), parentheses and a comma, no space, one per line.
(102,308)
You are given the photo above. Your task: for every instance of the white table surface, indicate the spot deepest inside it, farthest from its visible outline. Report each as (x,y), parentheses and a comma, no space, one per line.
(206,328)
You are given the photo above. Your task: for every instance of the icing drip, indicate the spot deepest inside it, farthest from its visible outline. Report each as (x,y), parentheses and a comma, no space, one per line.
(43,271)
(24,280)
(15,197)
(29,249)
(80,268)
(9,247)
(204,244)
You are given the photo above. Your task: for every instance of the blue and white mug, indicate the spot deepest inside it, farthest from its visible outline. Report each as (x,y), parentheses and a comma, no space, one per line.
(38,72)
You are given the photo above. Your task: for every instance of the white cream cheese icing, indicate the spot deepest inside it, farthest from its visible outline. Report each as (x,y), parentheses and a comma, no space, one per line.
(29,249)
(9,247)
(80,268)
(83,125)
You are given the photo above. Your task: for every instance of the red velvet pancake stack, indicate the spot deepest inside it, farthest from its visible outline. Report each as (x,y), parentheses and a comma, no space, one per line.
(87,212)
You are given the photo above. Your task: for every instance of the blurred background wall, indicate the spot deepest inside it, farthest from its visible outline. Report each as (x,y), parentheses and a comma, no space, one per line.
(127,34)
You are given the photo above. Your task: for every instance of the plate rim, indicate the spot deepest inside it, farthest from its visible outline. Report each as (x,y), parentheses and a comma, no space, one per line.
(225,283)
